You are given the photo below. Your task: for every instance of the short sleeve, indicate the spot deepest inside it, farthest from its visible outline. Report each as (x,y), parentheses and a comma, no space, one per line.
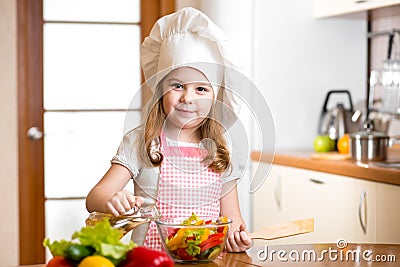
(238,162)
(127,153)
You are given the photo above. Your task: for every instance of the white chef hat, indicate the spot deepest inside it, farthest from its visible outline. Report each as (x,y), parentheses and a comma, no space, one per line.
(189,38)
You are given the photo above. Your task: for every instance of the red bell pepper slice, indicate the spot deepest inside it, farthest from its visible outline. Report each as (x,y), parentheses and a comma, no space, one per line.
(211,238)
(173,233)
(210,245)
(223,229)
(183,255)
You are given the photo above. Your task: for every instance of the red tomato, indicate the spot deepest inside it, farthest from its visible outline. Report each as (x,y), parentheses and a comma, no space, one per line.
(59,261)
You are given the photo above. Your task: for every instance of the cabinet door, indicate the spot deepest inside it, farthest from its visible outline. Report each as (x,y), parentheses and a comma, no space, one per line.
(267,200)
(388,213)
(342,207)
(330,8)
(348,210)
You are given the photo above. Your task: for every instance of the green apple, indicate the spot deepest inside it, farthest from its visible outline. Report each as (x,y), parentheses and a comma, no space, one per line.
(322,143)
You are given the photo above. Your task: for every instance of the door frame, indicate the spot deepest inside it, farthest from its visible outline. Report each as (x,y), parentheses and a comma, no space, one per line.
(30,113)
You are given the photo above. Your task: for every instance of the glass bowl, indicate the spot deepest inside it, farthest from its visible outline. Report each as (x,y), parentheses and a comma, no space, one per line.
(191,241)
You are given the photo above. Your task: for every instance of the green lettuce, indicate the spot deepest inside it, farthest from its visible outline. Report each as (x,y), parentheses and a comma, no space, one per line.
(193,249)
(102,237)
(191,220)
(57,248)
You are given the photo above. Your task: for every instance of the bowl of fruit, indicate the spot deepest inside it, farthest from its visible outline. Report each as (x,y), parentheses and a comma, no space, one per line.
(193,239)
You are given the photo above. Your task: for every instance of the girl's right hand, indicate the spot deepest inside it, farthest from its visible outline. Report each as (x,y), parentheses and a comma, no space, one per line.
(123,201)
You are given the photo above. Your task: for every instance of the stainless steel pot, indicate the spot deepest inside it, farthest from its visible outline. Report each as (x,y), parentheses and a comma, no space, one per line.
(369,145)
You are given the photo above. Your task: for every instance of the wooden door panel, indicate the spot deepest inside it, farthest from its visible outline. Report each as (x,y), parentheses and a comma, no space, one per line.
(30,106)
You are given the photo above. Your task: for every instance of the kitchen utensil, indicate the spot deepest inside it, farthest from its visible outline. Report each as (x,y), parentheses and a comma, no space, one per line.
(385,84)
(338,121)
(332,155)
(284,230)
(380,120)
(369,145)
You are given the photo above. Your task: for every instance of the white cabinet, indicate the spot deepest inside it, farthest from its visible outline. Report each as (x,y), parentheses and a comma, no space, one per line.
(342,207)
(330,8)
(388,213)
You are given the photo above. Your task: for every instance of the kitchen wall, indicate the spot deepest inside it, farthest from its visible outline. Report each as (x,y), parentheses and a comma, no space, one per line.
(294,60)
(298,59)
(8,135)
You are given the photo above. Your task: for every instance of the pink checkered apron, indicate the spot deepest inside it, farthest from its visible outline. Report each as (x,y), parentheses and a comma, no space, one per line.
(185,185)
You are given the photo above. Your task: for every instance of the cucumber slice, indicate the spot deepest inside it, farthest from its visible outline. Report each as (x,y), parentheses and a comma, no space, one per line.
(216,251)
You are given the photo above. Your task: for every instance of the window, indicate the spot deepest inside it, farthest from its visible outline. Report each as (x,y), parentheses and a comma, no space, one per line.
(91,72)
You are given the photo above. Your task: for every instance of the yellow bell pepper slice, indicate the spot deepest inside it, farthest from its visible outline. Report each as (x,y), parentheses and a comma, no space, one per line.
(224,219)
(204,237)
(177,239)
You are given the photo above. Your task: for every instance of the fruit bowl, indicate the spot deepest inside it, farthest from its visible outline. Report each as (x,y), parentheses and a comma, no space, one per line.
(194,239)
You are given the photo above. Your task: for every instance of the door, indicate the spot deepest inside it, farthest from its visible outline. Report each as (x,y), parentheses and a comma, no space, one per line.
(78,72)
(388,213)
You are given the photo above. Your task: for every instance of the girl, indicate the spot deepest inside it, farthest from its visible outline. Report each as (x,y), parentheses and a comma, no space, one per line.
(178,157)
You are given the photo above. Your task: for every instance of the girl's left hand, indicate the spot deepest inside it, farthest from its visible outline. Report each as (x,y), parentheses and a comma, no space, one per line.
(238,241)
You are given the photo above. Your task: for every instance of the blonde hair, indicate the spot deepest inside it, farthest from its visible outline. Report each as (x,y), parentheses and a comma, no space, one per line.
(153,118)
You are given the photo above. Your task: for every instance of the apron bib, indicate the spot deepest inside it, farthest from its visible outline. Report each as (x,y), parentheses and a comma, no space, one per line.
(185,186)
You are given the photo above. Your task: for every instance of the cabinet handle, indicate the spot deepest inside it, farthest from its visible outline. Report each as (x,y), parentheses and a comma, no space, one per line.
(360,1)
(316,181)
(363,203)
(277,192)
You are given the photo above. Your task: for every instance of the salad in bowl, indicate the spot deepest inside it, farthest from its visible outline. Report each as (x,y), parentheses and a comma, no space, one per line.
(194,239)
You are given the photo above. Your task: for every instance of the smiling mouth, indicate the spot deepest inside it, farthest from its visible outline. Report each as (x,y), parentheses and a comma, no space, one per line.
(184,111)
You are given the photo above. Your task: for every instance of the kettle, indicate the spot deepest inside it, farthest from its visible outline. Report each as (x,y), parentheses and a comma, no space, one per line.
(339,120)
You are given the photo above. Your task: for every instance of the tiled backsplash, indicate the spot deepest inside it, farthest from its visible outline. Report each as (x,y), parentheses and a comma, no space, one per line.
(381,20)
(384,19)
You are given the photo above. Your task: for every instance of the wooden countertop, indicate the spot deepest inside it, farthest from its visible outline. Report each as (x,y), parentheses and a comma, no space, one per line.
(369,171)
(315,255)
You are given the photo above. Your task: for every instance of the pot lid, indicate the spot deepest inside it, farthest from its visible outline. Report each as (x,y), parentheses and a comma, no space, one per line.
(368,132)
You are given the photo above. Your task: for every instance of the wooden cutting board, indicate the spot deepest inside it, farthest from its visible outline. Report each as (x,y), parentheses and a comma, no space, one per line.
(330,156)
(284,230)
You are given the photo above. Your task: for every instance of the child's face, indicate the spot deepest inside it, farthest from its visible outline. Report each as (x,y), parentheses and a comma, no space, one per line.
(188,97)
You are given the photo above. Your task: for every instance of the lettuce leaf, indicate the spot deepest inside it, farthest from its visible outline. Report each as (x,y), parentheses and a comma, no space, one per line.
(192,248)
(191,220)
(57,248)
(102,237)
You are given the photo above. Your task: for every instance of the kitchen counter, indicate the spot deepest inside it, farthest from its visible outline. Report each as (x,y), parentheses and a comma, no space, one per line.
(317,255)
(370,171)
